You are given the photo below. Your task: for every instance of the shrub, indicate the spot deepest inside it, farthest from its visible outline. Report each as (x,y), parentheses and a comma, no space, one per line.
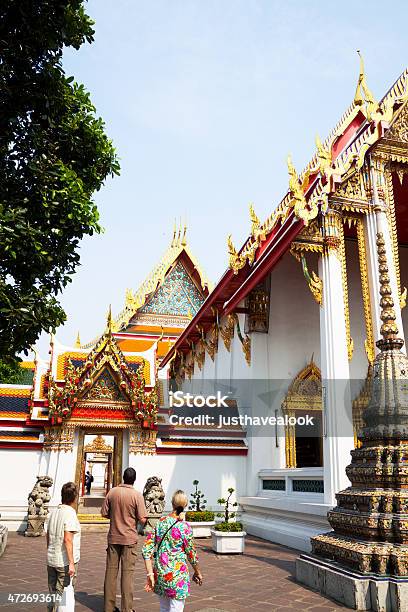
(200,517)
(228,527)
(197,501)
(227,514)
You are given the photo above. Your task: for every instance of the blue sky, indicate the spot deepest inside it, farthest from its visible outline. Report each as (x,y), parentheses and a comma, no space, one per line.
(204,100)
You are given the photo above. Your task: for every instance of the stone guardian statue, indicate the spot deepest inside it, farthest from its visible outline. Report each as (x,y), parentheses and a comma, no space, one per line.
(154,499)
(38,506)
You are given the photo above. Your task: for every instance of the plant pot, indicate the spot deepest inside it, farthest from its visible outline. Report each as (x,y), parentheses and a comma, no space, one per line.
(201,529)
(228,542)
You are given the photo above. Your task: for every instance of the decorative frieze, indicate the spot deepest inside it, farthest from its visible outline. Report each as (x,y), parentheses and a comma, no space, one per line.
(142,441)
(227,330)
(257,304)
(59,438)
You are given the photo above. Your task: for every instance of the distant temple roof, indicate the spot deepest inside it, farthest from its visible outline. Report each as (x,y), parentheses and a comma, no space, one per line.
(177,286)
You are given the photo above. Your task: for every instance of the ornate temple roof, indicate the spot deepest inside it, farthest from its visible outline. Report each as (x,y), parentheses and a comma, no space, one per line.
(333,165)
(176,287)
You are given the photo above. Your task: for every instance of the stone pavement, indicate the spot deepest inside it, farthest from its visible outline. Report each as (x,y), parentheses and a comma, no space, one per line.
(261,579)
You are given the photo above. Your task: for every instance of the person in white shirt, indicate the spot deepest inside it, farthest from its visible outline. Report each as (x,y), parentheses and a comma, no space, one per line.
(63,542)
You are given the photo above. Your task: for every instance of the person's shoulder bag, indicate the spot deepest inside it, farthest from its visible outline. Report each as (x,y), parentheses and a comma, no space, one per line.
(162,540)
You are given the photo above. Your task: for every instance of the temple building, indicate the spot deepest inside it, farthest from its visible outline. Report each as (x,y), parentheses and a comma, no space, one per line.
(102,406)
(289,330)
(298,312)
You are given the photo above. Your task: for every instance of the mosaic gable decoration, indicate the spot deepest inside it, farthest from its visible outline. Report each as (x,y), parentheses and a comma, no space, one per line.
(178,295)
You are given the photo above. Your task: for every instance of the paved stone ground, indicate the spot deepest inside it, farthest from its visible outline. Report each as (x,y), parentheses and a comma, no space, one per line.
(261,579)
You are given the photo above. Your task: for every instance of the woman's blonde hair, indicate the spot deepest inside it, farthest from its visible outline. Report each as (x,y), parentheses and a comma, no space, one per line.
(179,500)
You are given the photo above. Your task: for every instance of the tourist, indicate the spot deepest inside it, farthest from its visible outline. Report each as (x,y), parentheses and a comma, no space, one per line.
(171,544)
(88,482)
(125,507)
(63,543)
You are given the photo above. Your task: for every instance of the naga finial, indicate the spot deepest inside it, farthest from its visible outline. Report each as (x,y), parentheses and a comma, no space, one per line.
(323,154)
(255,222)
(389,329)
(231,249)
(363,93)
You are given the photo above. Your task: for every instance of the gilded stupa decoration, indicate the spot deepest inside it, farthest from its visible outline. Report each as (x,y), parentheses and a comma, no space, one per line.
(370,520)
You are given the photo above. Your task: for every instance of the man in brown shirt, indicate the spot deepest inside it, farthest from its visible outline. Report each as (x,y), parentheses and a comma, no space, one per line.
(125,507)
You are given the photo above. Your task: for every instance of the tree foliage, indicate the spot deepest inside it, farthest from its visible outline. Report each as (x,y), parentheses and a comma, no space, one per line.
(54,154)
(10,373)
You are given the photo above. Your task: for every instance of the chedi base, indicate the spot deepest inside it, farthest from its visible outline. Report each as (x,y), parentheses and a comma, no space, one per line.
(352,589)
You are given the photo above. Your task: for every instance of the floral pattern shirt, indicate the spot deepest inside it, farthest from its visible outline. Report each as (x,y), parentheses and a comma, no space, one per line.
(172,577)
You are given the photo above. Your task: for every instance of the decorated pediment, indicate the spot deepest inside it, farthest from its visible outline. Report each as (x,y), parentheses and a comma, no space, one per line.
(305,392)
(105,379)
(177,295)
(398,131)
(105,389)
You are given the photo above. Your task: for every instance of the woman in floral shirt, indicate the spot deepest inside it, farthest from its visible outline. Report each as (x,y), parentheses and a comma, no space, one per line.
(171,545)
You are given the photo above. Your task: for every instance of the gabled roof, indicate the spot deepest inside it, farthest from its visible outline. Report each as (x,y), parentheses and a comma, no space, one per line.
(336,159)
(177,252)
(105,366)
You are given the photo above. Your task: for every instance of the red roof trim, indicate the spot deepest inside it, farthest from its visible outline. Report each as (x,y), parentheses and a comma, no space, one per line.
(200,451)
(271,256)
(232,288)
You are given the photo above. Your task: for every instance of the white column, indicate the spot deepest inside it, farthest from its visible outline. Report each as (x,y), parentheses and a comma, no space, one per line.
(370,230)
(338,438)
(377,222)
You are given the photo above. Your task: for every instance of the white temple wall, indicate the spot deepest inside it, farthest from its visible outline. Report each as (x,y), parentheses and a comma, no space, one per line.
(216,473)
(240,370)
(18,475)
(262,449)
(294,328)
(294,336)
(223,360)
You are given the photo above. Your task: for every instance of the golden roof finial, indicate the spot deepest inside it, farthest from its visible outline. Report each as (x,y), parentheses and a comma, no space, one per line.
(294,184)
(231,249)
(254,219)
(173,242)
(323,154)
(184,239)
(78,341)
(179,235)
(389,329)
(109,320)
(358,96)
(363,93)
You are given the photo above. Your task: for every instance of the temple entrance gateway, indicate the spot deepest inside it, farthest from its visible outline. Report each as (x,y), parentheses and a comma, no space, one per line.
(101,455)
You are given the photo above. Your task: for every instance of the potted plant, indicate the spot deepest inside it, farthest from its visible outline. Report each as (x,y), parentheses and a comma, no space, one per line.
(201,520)
(228,536)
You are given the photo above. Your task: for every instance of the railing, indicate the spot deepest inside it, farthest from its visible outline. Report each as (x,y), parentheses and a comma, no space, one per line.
(292,481)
